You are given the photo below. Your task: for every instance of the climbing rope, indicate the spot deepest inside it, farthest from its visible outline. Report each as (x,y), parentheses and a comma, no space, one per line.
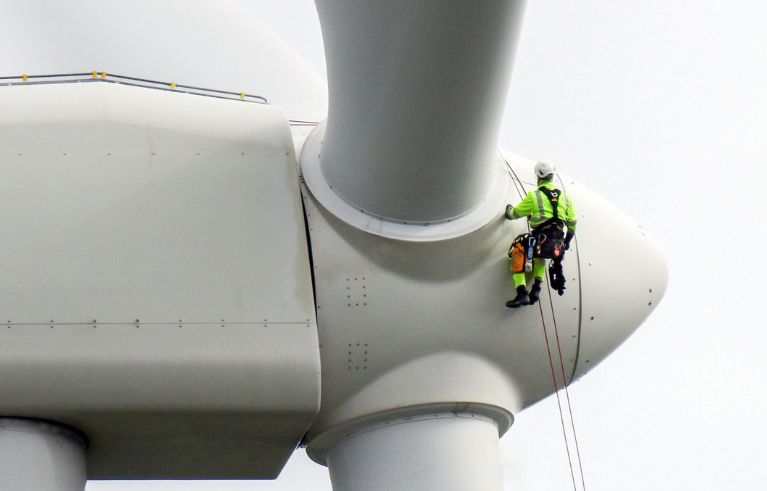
(564,383)
(520,188)
(556,391)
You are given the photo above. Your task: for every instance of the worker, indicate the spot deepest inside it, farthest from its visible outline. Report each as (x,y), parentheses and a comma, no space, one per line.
(548,211)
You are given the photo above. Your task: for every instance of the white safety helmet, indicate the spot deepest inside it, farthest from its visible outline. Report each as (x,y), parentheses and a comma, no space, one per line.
(544,170)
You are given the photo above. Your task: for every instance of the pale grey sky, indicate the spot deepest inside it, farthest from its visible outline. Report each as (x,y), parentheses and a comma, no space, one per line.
(662,108)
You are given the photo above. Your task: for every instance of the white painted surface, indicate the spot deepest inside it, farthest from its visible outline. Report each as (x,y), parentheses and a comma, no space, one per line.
(416,92)
(624,275)
(41,456)
(311,149)
(156,291)
(440,452)
(127,203)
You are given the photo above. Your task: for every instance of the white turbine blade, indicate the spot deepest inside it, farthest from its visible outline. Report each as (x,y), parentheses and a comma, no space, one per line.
(417,90)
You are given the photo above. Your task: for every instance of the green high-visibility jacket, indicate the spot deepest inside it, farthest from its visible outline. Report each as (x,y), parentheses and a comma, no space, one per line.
(537,207)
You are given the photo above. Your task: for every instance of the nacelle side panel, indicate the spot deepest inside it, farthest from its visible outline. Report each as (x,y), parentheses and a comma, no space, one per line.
(155,275)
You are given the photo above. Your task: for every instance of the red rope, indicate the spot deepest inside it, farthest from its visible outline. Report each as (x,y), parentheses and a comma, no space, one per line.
(559,401)
(565,383)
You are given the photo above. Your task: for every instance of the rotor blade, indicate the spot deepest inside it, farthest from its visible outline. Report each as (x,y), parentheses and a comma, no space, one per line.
(417,90)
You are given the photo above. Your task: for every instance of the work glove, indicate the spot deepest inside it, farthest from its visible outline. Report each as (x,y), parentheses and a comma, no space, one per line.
(568,238)
(508,210)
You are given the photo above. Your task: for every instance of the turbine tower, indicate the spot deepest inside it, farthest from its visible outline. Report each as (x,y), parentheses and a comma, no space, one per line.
(191,289)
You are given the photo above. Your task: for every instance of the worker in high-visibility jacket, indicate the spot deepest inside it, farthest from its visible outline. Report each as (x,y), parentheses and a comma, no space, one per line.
(549,211)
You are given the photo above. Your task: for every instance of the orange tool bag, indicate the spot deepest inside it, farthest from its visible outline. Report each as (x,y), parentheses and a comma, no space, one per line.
(521,261)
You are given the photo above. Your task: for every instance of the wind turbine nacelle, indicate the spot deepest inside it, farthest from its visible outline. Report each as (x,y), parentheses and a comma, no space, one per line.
(157,279)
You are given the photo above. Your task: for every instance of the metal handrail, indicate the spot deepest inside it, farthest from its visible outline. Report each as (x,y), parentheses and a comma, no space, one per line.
(101,76)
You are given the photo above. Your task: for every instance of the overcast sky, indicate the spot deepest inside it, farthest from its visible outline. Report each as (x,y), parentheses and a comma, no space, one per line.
(661,106)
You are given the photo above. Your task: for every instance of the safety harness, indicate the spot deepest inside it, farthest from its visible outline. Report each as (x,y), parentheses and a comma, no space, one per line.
(546,241)
(551,233)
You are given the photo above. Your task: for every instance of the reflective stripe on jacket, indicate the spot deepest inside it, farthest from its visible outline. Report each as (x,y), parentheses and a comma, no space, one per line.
(537,207)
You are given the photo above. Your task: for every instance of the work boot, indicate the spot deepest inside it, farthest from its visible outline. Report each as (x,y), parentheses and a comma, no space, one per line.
(521,298)
(535,291)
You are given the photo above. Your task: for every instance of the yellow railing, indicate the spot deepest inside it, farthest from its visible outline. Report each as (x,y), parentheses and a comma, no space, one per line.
(103,76)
